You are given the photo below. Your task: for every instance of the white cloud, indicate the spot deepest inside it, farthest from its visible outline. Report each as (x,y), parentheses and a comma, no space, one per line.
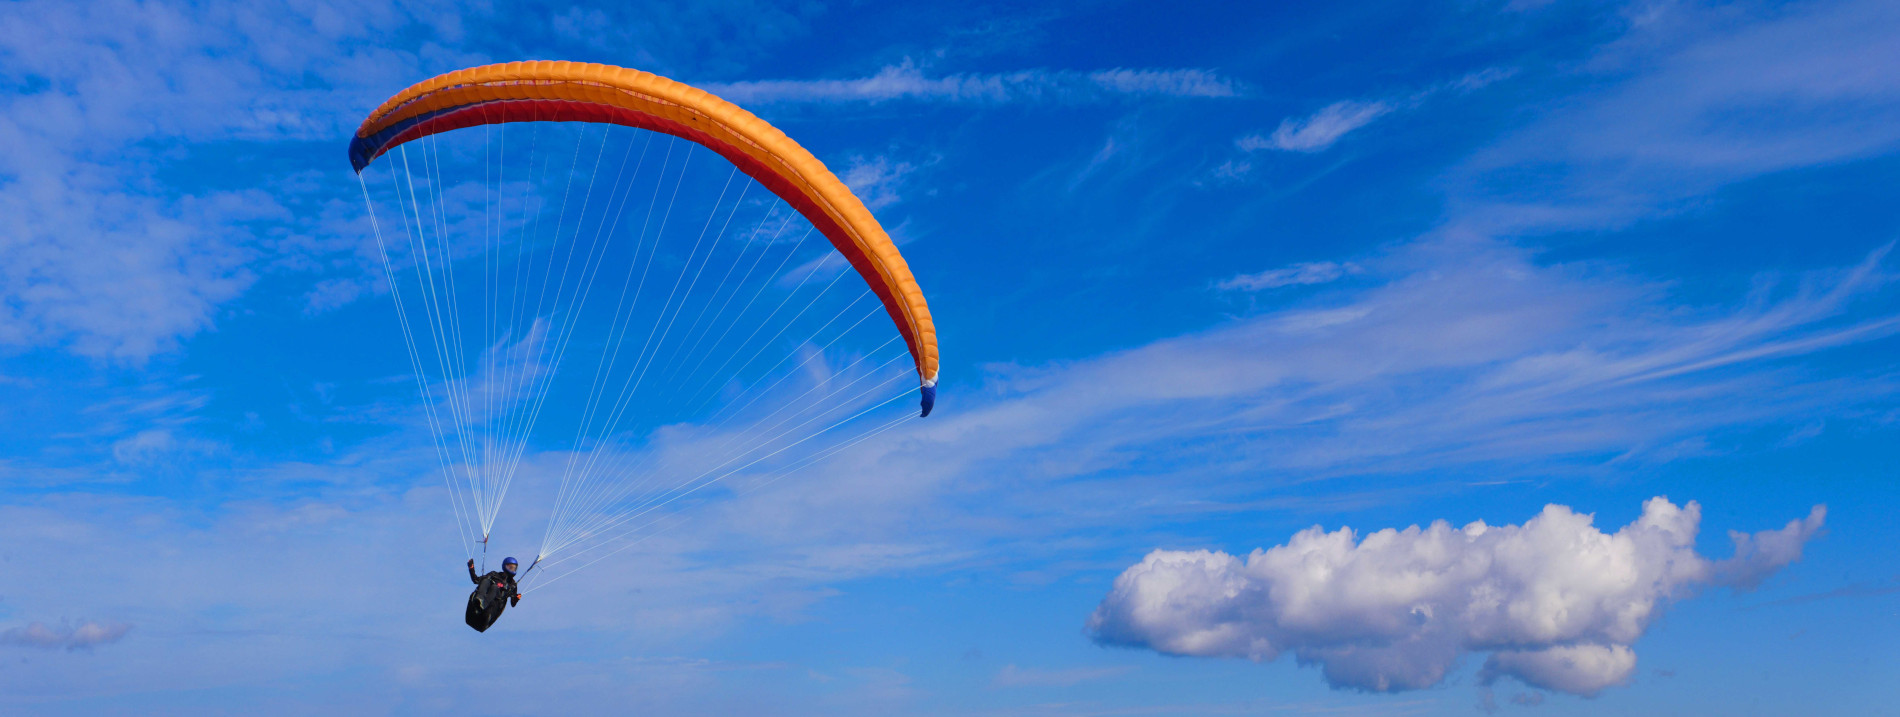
(155,445)
(1231,170)
(1759,555)
(1175,83)
(1301,274)
(1576,669)
(1319,130)
(876,180)
(1555,601)
(226,590)
(113,274)
(1316,389)
(1013,676)
(907,82)
(1473,81)
(1557,367)
(95,255)
(1698,102)
(83,636)
(827,266)
(1454,352)
(879,181)
(332,293)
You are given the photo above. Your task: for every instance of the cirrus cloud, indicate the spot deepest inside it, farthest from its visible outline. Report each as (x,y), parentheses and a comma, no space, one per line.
(1319,131)
(1301,274)
(907,82)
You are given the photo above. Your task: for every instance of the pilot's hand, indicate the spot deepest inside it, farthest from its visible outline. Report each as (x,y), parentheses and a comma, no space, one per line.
(471,563)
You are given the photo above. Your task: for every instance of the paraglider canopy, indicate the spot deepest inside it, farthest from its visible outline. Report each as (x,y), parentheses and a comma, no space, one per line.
(556,91)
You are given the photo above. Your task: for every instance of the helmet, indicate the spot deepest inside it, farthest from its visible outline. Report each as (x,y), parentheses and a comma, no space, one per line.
(510,561)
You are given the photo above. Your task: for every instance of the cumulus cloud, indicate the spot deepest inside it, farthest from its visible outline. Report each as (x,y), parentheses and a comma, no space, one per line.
(85,635)
(907,82)
(1556,602)
(1760,555)
(1301,274)
(1577,669)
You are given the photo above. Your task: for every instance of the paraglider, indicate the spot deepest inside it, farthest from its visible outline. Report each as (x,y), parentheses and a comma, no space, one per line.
(681,393)
(494,592)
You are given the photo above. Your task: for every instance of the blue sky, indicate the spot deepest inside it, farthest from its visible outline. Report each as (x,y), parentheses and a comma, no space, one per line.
(1205,278)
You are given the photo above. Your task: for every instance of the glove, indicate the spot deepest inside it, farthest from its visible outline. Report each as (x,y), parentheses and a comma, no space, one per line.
(471,563)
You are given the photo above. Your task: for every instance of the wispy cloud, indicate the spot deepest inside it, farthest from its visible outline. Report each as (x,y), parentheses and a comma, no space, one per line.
(1527,363)
(908,82)
(97,257)
(156,445)
(1556,602)
(1301,274)
(1503,339)
(1446,360)
(877,180)
(880,182)
(1449,359)
(1695,110)
(1317,131)
(1853,590)
(81,636)
(1013,676)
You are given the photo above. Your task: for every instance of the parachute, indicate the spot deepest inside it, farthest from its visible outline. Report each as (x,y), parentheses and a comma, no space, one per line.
(563,319)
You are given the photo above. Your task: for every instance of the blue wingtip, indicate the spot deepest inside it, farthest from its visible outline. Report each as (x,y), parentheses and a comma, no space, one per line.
(359,154)
(930,399)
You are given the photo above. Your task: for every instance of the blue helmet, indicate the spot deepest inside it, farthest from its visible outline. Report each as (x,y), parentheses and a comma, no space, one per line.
(510,561)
